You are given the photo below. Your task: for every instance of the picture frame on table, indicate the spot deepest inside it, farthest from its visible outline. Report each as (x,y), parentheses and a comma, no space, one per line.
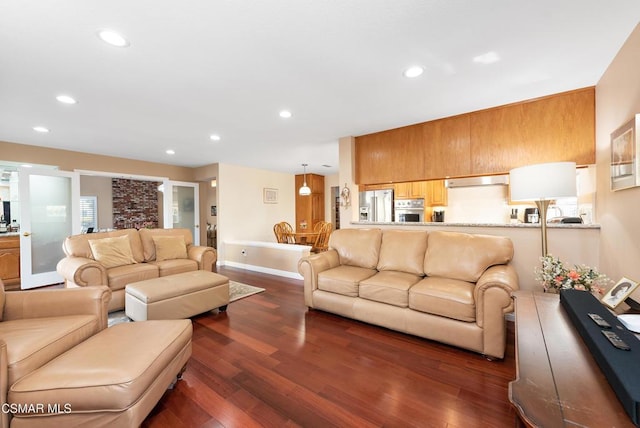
(625,144)
(619,292)
(269,195)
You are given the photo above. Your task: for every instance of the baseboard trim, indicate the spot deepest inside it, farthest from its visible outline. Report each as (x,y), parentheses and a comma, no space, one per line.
(263,269)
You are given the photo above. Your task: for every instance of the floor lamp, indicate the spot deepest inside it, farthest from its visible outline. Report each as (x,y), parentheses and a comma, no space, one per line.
(542,183)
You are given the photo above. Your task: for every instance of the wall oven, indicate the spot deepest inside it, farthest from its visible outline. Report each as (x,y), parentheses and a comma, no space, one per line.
(409,210)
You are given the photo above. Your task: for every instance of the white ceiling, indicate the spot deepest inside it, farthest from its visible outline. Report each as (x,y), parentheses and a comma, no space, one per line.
(197,67)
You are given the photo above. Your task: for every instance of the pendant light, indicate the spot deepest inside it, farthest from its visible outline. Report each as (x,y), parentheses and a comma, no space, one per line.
(304,190)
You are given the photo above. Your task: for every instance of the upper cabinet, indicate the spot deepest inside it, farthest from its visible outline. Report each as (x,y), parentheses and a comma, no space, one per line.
(551,129)
(390,156)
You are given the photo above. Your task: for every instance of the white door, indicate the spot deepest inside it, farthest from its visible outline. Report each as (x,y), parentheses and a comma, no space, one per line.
(49,212)
(181,207)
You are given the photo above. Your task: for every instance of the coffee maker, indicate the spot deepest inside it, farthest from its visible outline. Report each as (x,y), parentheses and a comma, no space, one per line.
(531,215)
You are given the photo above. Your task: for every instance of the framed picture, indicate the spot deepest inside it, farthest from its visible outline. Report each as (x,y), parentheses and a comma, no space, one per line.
(624,155)
(619,292)
(270,196)
(214,210)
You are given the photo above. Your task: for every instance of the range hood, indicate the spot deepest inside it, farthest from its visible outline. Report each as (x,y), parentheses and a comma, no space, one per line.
(489,180)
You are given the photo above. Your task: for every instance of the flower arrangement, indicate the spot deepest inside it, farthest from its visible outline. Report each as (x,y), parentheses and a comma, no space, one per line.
(554,276)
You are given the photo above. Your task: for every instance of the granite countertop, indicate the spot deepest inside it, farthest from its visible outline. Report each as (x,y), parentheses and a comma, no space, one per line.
(510,225)
(5,234)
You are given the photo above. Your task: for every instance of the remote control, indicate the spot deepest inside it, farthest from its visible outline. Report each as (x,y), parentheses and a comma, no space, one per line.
(599,320)
(615,340)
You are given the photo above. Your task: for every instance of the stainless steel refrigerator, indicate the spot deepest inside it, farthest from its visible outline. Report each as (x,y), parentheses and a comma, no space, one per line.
(376,205)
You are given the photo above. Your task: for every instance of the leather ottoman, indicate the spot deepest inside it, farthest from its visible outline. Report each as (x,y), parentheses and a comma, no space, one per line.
(182,295)
(114,378)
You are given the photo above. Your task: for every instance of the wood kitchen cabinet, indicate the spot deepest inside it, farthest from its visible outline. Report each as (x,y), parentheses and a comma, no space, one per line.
(552,129)
(411,190)
(436,193)
(390,156)
(556,128)
(10,260)
(309,209)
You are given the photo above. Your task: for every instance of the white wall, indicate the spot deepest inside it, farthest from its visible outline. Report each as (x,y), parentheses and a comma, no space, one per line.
(617,101)
(242,214)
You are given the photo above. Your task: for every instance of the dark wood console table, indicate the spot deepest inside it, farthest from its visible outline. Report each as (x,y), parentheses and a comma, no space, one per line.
(558,383)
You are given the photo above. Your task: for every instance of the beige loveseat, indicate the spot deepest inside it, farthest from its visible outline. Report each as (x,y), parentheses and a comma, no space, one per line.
(122,257)
(446,286)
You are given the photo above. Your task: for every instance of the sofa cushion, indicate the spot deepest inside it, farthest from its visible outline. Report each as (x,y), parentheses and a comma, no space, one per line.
(388,287)
(2,297)
(463,256)
(403,250)
(170,247)
(78,245)
(446,297)
(120,276)
(172,267)
(33,342)
(343,279)
(149,247)
(357,247)
(112,252)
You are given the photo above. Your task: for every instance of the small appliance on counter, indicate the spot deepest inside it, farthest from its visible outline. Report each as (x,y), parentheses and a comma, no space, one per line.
(531,215)
(409,210)
(438,215)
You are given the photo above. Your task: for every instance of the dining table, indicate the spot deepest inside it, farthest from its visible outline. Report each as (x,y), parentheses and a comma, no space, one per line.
(305,238)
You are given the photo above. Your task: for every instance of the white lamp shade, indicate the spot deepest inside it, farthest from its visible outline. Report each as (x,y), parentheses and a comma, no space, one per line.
(543,181)
(304,190)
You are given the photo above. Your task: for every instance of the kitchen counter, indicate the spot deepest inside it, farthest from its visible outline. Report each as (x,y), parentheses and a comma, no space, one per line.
(505,225)
(5,234)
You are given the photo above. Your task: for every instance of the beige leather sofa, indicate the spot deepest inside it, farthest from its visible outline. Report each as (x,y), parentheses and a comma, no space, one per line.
(38,326)
(102,259)
(450,287)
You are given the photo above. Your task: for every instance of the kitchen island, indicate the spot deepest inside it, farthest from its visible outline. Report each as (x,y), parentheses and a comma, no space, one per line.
(572,243)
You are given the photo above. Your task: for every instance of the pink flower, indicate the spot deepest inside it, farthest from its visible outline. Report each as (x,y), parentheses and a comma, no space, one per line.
(559,279)
(574,275)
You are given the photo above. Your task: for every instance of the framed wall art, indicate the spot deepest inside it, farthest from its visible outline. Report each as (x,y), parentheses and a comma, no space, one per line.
(624,155)
(270,196)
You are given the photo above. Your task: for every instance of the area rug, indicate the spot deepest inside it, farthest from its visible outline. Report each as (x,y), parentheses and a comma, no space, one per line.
(237,291)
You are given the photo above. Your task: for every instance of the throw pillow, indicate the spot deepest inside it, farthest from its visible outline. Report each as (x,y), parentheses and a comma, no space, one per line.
(170,248)
(112,252)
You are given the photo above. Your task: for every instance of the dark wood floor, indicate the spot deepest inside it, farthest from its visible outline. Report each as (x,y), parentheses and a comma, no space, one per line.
(268,361)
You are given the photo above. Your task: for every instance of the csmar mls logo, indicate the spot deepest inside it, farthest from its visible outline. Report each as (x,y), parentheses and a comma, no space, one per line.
(36,408)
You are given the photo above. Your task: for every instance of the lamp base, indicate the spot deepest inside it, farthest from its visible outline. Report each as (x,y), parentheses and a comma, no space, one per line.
(542,209)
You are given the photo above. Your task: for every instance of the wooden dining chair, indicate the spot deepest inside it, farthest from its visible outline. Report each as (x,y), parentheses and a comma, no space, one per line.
(284,233)
(322,240)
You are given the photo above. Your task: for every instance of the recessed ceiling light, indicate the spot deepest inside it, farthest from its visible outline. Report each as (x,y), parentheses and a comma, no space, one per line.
(214,137)
(487,58)
(41,129)
(113,38)
(170,152)
(414,71)
(285,114)
(66,99)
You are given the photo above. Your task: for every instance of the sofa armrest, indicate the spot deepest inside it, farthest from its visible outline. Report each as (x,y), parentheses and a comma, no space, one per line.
(58,302)
(493,300)
(309,267)
(4,383)
(82,272)
(205,256)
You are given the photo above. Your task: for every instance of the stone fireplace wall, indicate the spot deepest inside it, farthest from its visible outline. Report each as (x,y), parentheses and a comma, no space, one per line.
(135,203)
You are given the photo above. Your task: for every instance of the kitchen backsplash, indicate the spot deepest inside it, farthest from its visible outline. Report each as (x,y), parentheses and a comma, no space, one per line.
(489,204)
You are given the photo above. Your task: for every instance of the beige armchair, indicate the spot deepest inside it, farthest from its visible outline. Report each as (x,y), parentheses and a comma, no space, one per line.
(37,326)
